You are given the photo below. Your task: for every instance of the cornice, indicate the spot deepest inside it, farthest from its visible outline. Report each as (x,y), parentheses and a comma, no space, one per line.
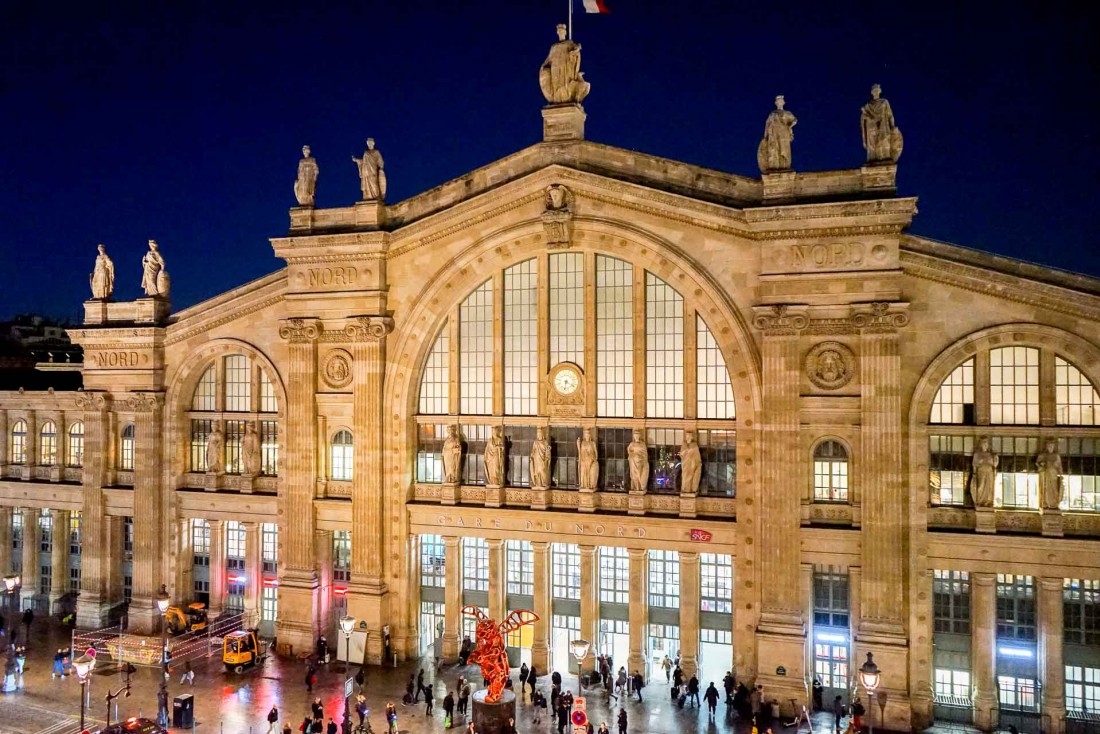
(176,337)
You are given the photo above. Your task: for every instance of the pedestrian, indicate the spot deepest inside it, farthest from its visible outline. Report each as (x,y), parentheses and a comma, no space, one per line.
(408,699)
(306,725)
(162,706)
(539,702)
(286,728)
(361,708)
(391,717)
(509,727)
(464,697)
(272,719)
(311,676)
(857,714)
(603,728)
(57,669)
(563,717)
(728,684)
(317,727)
(419,685)
(622,721)
(188,676)
(322,650)
(448,709)
(429,702)
(677,676)
(838,712)
(465,650)
(531,676)
(666,665)
(331,728)
(318,709)
(28,619)
(360,678)
(756,700)
(524,671)
(819,691)
(638,683)
(693,690)
(711,697)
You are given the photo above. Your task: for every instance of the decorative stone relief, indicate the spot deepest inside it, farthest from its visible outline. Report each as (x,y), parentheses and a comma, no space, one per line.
(691,463)
(369,328)
(830,365)
(540,459)
(774,152)
(557,219)
(215,450)
(588,462)
(144,402)
(300,331)
(985,463)
(1050,476)
(93,401)
(250,450)
(880,316)
(778,320)
(494,458)
(565,391)
(637,457)
(452,455)
(336,369)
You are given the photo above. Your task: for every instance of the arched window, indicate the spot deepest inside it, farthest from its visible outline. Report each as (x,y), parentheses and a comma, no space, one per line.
(435,386)
(47,444)
(342,456)
(126,448)
(1014,386)
(1076,400)
(954,402)
(830,472)
(19,442)
(75,457)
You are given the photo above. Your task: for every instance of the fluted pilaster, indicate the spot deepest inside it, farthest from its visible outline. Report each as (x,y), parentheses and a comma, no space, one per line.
(150,543)
(540,646)
(983,645)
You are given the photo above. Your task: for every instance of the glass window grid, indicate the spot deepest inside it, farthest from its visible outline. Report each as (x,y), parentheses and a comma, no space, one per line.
(19,442)
(567,308)
(1076,400)
(475,351)
(563,457)
(238,384)
(433,561)
(716,583)
(432,616)
(664,639)
(234,433)
(831,665)
(1014,386)
(1082,689)
(949,467)
(126,448)
(718,451)
(713,391)
(1015,607)
(1016,693)
(269,547)
(952,683)
(664,318)
(664,459)
(1017,483)
(831,604)
(475,564)
(200,432)
(521,320)
(954,401)
(469,624)
(269,604)
(716,637)
(268,402)
(614,571)
(235,544)
(565,560)
(611,446)
(474,437)
(205,397)
(45,578)
(343,460)
(664,579)
(519,558)
(74,534)
(269,448)
(951,601)
(341,556)
(74,579)
(435,383)
(517,466)
(1081,611)
(45,531)
(830,472)
(128,538)
(615,342)
(200,542)
(429,452)
(75,457)
(47,444)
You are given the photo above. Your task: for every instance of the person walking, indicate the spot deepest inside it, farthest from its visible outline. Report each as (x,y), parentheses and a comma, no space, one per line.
(419,685)
(711,697)
(307,724)
(857,714)
(677,676)
(331,728)
(666,665)
(728,683)
(638,683)
(838,712)
(311,676)
(361,708)
(693,690)
(539,702)
(317,727)
(318,709)
(531,677)
(563,717)
(391,717)
(408,699)
(28,620)
(524,671)
(429,701)
(272,719)
(448,710)
(603,728)
(622,721)
(162,706)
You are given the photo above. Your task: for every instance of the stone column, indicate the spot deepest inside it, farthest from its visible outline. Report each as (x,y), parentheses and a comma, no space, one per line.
(4,433)
(639,611)
(497,583)
(689,613)
(31,571)
(296,627)
(983,647)
(5,539)
(96,559)
(452,623)
(185,563)
(589,603)
(32,442)
(540,646)
(253,573)
(217,567)
(150,543)
(368,596)
(59,556)
(1052,670)
(114,530)
(325,583)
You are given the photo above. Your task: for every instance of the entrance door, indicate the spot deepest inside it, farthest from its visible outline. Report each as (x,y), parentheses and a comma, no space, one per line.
(831,665)
(664,639)
(565,629)
(431,624)
(615,641)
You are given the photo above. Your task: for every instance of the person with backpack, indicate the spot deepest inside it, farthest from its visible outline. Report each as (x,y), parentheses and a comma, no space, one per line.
(391,717)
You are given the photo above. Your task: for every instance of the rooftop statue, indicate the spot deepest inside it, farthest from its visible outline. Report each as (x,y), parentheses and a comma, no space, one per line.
(305,187)
(372,179)
(490,653)
(774,153)
(881,138)
(154,278)
(103,276)
(561,78)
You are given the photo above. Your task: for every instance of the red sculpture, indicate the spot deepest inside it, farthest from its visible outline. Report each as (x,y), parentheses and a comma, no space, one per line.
(490,653)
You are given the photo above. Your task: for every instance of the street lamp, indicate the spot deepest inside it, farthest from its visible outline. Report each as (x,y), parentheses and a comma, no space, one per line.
(580,649)
(83,666)
(163,600)
(347,624)
(870,677)
(11,583)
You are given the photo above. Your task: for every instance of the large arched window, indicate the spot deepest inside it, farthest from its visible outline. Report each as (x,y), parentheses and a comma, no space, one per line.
(342,456)
(47,444)
(75,457)
(830,472)
(634,347)
(19,442)
(234,396)
(126,447)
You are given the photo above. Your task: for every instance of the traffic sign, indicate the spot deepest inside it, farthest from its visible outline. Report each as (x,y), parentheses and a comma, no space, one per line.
(579,718)
(349,686)
(579,703)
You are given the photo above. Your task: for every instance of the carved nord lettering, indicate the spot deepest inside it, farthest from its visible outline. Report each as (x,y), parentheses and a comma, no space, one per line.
(344,275)
(831,256)
(116,359)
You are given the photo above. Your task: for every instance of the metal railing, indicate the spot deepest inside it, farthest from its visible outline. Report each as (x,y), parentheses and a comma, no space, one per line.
(115,643)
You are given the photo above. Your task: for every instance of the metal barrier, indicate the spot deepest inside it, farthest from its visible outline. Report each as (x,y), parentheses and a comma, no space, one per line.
(120,646)
(954,709)
(97,639)
(204,642)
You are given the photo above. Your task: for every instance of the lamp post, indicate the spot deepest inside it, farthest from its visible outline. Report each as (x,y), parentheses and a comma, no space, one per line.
(580,649)
(83,666)
(163,600)
(347,624)
(870,677)
(11,583)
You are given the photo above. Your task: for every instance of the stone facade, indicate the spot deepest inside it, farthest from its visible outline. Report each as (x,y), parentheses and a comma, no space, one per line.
(832,322)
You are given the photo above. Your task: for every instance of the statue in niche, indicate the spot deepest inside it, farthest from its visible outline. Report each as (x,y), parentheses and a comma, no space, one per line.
(881,137)
(372,177)
(540,459)
(250,450)
(691,465)
(215,451)
(637,457)
(154,278)
(1050,476)
(452,455)
(305,186)
(561,78)
(587,461)
(774,153)
(494,458)
(103,276)
(984,463)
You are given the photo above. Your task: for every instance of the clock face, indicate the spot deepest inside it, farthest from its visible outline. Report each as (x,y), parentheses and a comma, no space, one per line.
(566,381)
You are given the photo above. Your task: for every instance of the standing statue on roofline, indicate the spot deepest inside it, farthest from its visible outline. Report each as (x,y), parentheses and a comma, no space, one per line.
(305,186)
(372,177)
(881,137)
(102,278)
(560,77)
(774,151)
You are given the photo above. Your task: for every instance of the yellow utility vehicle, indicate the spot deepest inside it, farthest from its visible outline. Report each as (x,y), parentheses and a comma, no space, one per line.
(189,620)
(242,648)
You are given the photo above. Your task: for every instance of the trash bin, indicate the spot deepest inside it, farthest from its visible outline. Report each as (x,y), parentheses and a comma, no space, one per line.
(183,711)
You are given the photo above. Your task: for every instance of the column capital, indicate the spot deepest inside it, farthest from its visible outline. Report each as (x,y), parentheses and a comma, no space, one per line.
(587,550)
(301,331)
(94,401)
(495,543)
(689,556)
(783,319)
(1052,583)
(451,541)
(540,546)
(368,328)
(879,316)
(639,553)
(144,402)
(983,578)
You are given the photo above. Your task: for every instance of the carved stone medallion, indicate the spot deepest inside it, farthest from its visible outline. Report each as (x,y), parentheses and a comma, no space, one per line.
(557,218)
(830,365)
(336,369)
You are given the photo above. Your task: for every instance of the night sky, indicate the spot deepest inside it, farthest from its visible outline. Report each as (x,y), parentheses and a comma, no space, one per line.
(182,122)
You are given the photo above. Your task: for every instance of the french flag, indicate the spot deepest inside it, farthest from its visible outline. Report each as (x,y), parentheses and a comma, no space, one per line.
(596,6)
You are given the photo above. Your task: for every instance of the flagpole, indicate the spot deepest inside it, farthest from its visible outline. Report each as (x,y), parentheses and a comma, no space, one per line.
(570,20)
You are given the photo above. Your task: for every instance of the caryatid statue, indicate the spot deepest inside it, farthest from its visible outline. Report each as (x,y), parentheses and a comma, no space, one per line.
(494,458)
(103,276)
(452,455)
(881,137)
(250,450)
(588,461)
(154,278)
(561,78)
(637,458)
(1050,476)
(774,153)
(984,464)
(305,186)
(540,459)
(215,454)
(691,465)
(372,179)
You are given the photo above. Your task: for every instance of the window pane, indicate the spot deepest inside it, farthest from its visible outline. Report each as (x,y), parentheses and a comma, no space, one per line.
(954,402)
(714,391)
(1014,385)
(1077,402)
(476,351)
(615,342)
(566,561)
(521,338)
(76,445)
(830,472)
(268,402)
(435,383)
(47,444)
(342,459)
(205,397)
(567,308)
(664,319)
(238,383)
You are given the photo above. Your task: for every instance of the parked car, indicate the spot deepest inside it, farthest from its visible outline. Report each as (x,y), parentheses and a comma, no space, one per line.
(133,725)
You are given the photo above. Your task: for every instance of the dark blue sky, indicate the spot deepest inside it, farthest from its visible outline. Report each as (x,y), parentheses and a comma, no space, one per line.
(182,122)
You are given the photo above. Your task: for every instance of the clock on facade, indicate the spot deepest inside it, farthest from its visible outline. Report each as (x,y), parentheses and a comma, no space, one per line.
(566,381)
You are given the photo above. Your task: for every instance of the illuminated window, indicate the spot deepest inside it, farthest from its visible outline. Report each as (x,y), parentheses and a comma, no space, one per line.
(342,456)
(566,579)
(238,384)
(475,564)
(949,466)
(954,402)
(475,350)
(951,683)
(718,449)
(234,434)
(47,444)
(614,575)
(1016,693)
(429,452)
(830,589)
(1081,611)
(75,456)
(951,601)
(433,561)
(268,402)
(235,544)
(664,327)
(716,583)
(269,448)
(1015,607)
(830,472)
(200,542)
(1082,689)
(831,665)
(341,556)
(1014,386)
(19,442)
(205,397)
(1076,400)
(567,308)
(519,558)
(615,337)
(1017,484)
(521,339)
(714,391)
(200,433)
(664,579)
(435,384)
(126,448)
